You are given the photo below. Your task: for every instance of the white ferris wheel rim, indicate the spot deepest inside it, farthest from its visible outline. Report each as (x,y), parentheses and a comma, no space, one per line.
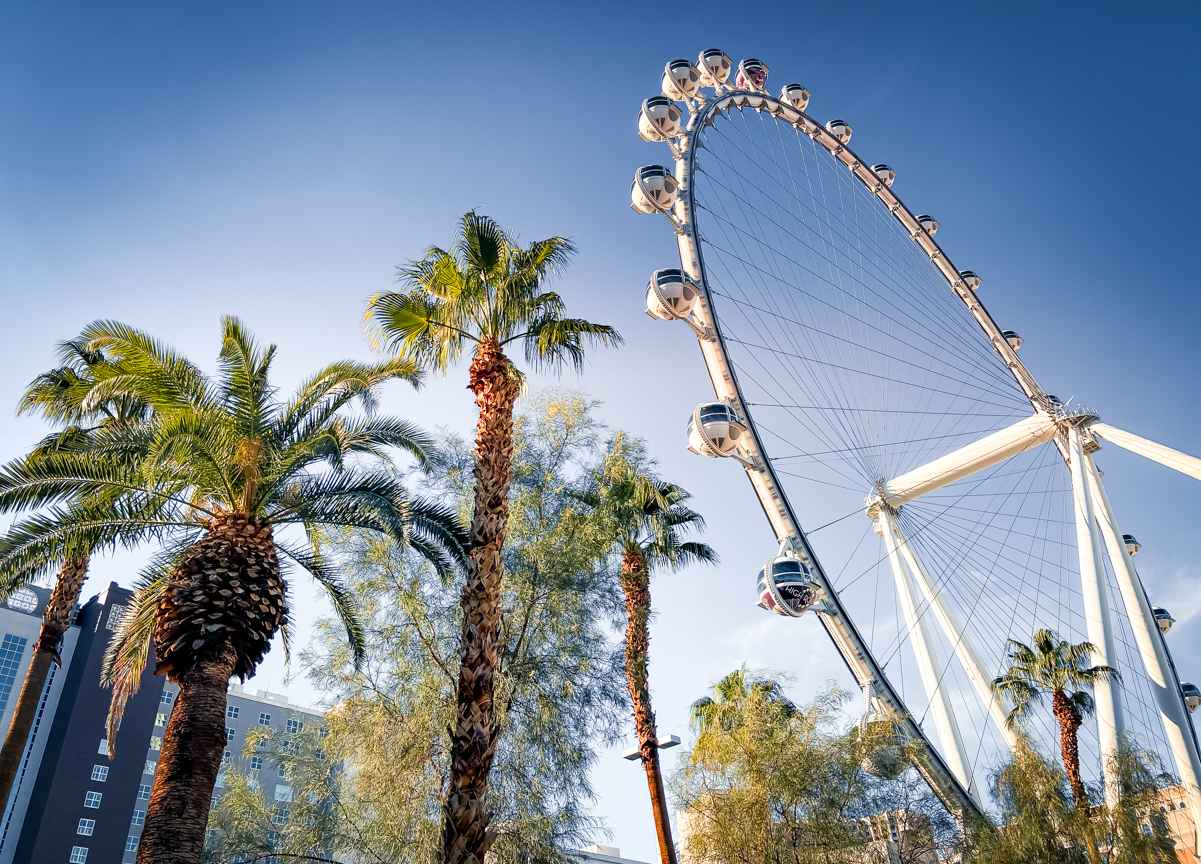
(836,619)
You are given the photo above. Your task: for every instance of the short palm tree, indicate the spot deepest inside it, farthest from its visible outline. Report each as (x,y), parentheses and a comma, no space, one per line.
(647,519)
(58,396)
(233,487)
(1056,666)
(723,710)
(483,296)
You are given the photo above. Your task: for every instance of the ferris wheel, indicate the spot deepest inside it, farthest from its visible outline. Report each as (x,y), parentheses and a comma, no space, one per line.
(951,502)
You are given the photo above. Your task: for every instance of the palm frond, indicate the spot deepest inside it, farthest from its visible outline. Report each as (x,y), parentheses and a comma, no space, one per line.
(341,597)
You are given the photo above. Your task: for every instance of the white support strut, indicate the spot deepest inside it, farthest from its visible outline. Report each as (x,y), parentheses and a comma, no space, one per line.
(957,637)
(1003,444)
(1174,459)
(1096,616)
(918,627)
(1176,726)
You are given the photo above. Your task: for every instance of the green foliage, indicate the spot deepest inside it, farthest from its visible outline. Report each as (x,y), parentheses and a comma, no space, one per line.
(1040,825)
(208,446)
(560,688)
(770,781)
(487,288)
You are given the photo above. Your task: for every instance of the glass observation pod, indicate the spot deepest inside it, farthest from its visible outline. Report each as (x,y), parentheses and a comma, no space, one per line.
(681,80)
(970,279)
(714,66)
(1132,545)
(795,95)
(840,129)
(654,190)
(886,174)
(659,119)
(928,224)
(786,587)
(1192,696)
(752,75)
(1012,337)
(670,295)
(1163,619)
(715,429)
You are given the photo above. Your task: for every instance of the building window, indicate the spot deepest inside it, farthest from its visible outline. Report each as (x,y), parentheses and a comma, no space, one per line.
(92,800)
(283,793)
(144,792)
(156,742)
(225,757)
(85,827)
(232,711)
(264,719)
(11,649)
(139,816)
(295,725)
(167,696)
(280,816)
(150,766)
(115,614)
(230,732)
(131,843)
(102,747)
(160,719)
(99,773)
(79,855)
(256,762)
(23,600)
(272,839)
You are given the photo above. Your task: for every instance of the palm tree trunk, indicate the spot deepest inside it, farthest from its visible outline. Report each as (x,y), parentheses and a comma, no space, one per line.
(465,838)
(56,619)
(635,583)
(178,812)
(1069,744)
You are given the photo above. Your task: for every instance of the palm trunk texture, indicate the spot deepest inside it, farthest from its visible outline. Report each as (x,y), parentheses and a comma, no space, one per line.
(1069,744)
(635,583)
(465,837)
(178,812)
(56,619)
(216,618)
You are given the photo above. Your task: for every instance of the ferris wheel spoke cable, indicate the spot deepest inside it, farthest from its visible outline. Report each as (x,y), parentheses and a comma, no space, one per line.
(951,317)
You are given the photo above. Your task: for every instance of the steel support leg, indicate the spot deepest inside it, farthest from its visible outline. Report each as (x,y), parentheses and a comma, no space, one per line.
(953,630)
(1174,459)
(1096,616)
(919,638)
(1151,648)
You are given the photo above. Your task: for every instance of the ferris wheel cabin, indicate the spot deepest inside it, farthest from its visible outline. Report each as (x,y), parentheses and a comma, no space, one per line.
(786,587)
(670,295)
(970,279)
(752,75)
(714,66)
(1192,696)
(886,174)
(795,95)
(681,80)
(1133,547)
(654,190)
(659,119)
(841,130)
(1012,337)
(1163,619)
(715,429)
(928,224)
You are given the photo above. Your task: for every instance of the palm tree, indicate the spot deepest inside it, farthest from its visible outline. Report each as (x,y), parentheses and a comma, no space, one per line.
(483,295)
(58,395)
(647,518)
(1053,665)
(231,491)
(724,710)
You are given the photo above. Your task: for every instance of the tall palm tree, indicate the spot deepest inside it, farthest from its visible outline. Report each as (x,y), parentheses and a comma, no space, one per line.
(233,487)
(647,519)
(58,396)
(484,295)
(1053,665)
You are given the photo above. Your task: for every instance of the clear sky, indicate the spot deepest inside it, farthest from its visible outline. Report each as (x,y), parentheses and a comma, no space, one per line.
(165,166)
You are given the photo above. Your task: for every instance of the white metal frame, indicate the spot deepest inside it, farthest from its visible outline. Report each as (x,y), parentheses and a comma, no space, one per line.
(952,782)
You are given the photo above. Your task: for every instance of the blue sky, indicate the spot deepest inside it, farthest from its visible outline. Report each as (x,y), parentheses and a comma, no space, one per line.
(166,166)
